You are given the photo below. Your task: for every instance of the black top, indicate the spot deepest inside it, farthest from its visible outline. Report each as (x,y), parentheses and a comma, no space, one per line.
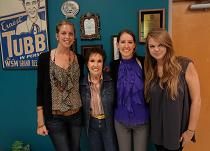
(44,97)
(169,118)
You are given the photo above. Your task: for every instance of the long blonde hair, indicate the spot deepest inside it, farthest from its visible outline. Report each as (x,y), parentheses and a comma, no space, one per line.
(171,67)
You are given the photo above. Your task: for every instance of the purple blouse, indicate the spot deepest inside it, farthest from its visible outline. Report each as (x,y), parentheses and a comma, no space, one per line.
(131,107)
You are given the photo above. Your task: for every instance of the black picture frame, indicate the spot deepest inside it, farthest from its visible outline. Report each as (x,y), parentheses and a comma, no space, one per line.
(89,26)
(86,48)
(149,19)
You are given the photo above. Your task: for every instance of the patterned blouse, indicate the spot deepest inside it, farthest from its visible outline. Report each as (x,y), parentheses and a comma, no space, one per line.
(65,86)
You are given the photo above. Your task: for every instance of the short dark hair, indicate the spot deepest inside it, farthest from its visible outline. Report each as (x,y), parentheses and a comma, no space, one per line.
(94,51)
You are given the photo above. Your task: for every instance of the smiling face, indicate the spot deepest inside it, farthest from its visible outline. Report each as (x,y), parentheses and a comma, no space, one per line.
(156,49)
(95,64)
(126,45)
(31,7)
(65,35)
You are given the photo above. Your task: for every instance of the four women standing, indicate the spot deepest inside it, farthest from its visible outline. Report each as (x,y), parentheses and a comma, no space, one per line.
(171,88)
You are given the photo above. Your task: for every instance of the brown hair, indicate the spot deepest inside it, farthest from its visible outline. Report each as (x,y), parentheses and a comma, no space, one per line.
(64,22)
(128,32)
(171,67)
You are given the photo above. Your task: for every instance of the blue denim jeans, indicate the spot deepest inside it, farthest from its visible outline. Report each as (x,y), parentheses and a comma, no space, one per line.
(64,132)
(101,136)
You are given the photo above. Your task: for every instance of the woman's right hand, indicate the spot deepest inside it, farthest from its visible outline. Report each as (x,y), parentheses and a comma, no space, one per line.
(42,130)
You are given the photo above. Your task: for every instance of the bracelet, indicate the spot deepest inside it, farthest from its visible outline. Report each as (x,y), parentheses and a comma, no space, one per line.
(191,130)
(40,126)
(38,109)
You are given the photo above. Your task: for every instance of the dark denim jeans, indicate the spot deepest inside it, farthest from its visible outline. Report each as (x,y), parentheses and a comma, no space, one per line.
(64,132)
(101,137)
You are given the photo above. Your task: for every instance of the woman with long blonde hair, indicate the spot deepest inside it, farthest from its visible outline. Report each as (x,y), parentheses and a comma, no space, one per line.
(172,89)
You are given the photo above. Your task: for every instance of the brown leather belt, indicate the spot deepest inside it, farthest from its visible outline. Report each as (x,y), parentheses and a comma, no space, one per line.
(67,113)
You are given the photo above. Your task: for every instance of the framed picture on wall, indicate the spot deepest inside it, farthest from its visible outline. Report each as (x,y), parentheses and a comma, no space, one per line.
(89,26)
(86,48)
(22,39)
(149,19)
(115,51)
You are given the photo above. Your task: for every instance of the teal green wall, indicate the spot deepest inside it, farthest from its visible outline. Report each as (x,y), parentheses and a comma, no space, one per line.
(17,87)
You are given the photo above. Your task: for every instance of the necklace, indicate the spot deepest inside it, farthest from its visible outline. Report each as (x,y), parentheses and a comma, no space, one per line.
(64,62)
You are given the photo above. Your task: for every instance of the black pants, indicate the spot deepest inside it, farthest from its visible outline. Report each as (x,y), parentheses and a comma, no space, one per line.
(64,132)
(161,148)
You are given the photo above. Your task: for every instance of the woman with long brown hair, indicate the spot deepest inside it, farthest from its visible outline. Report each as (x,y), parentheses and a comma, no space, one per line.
(172,89)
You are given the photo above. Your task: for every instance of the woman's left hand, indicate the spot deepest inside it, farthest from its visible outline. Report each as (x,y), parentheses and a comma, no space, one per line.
(186,137)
